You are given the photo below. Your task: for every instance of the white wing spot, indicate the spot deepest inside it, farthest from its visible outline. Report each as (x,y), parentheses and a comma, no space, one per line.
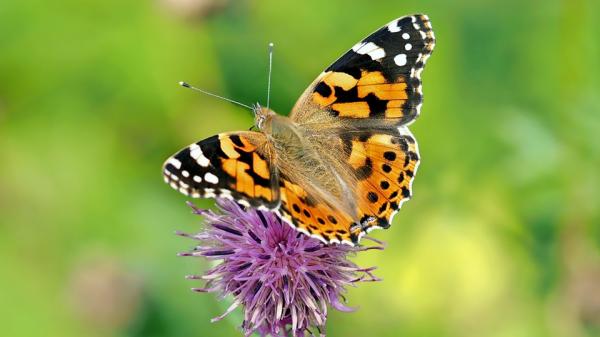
(357,46)
(185,173)
(408,46)
(196,153)
(406,36)
(366,48)
(400,59)
(393,26)
(225,193)
(174,162)
(371,49)
(197,179)
(211,178)
(209,193)
(377,54)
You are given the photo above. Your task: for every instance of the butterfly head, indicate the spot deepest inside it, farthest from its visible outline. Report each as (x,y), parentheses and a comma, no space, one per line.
(262,117)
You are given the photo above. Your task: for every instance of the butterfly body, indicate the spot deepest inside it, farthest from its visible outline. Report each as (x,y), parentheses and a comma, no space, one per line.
(342,163)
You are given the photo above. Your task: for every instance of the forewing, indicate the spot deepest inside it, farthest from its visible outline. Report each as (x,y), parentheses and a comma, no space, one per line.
(229,165)
(380,77)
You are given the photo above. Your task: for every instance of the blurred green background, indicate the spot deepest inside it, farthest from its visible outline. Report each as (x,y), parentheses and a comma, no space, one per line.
(502,236)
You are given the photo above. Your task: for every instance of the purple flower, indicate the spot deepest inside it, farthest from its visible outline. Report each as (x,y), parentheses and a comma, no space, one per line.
(284,280)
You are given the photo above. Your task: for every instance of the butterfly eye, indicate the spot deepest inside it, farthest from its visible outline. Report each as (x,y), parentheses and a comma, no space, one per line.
(260,121)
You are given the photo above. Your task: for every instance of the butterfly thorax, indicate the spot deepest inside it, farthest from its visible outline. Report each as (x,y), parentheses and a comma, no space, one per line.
(301,160)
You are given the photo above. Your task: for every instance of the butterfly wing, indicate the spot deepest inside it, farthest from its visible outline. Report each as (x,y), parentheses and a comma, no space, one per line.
(313,216)
(379,78)
(229,165)
(354,115)
(377,166)
(384,164)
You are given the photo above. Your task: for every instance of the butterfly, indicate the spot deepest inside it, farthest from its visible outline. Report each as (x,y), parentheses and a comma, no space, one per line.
(343,161)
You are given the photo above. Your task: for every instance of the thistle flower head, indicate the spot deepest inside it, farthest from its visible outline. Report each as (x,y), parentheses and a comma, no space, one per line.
(284,280)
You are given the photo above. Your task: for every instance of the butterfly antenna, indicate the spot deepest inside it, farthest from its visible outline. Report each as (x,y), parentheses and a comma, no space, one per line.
(270,71)
(186,85)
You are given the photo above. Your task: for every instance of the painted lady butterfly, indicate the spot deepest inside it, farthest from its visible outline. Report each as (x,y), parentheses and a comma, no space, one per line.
(343,162)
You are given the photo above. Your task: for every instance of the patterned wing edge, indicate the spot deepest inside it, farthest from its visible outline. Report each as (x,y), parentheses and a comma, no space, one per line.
(227,165)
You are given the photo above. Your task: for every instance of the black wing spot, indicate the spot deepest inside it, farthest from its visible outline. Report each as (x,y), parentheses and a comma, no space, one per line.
(365,171)
(323,89)
(405,192)
(236,140)
(384,223)
(389,155)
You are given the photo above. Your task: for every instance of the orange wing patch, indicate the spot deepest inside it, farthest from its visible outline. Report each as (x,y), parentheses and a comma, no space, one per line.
(370,95)
(316,219)
(248,169)
(384,165)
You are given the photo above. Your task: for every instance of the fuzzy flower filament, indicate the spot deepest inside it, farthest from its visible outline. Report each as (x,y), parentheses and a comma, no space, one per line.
(285,281)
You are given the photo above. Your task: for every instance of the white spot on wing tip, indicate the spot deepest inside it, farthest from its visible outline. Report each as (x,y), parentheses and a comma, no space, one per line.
(393,26)
(174,162)
(211,178)
(377,54)
(357,46)
(400,59)
(369,48)
(196,153)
